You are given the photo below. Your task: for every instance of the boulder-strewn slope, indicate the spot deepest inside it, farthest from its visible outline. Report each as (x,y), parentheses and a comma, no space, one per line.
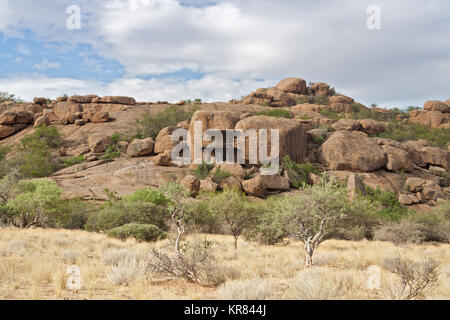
(316,127)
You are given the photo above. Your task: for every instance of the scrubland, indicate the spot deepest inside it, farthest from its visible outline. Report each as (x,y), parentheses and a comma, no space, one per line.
(33,265)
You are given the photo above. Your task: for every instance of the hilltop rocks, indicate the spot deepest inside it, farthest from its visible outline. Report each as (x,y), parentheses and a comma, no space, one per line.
(42,101)
(100,117)
(436,114)
(351,151)
(140,147)
(341,103)
(82,99)
(118,100)
(164,141)
(322,89)
(293,139)
(436,106)
(292,85)
(99,142)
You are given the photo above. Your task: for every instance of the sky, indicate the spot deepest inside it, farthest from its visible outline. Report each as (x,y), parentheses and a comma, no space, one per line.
(224,49)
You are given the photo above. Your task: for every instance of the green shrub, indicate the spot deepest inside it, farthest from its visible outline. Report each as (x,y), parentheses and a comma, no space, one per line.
(48,135)
(219,175)
(122,212)
(150,126)
(4,150)
(445,182)
(411,131)
(141,232)
(389,206)
(202,170)
(73,161)
(278,113)
(201,219)
(147,195)
(111,152)
(298,172)
(5,96)
(39,203)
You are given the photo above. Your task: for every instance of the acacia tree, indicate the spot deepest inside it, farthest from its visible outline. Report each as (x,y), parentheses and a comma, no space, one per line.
(313,212)
(177,196)
(235,210)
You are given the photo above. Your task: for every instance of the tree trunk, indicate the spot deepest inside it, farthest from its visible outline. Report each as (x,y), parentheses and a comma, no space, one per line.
(235,243)
(309,249)
(180,231)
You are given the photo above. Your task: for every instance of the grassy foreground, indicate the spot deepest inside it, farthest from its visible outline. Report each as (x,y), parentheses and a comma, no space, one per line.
(33,265)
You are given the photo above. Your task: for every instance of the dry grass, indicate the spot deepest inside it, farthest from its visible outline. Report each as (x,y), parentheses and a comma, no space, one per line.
(33,265)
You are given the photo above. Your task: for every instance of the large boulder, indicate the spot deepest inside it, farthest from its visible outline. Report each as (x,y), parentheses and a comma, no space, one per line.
(40,100)
(351,151)
(231,182)
(293,85)
(280,97)
(99,117)
(162,160)
(275,182)
(24,117)
(140,147)
(254,187)
(208,185)
(293,139)
(372,127)
(6,131)
(346,124)
(164,141)
(98,142)
(341,103)
(41,121)
(397,159)
(82,99)
(8,118)
(435,156)
(235,169)
(433,119)
(218,120)
(436,106)
(322,89)
(192,184)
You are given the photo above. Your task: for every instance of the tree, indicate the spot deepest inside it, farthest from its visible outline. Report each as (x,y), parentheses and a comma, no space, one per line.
(313,212)
(177,208)
(235,210)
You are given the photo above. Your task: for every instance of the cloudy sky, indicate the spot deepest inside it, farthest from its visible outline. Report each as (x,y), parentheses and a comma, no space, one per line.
(219,50)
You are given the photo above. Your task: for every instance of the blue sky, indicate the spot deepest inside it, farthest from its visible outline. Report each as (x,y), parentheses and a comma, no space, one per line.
(219,50)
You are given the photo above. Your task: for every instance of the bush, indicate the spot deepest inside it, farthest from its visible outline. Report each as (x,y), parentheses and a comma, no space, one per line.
(405,231)
(414,277)
(411,131)
(121,213)
(39,203)
(195,263)
(147,195)
(202,170)
(4,150)
(298,172)
(150,126)
(141,232)
(387,202)
(33,158)
(278,113)
(5,96)
(219,175)
(73,161)
(200,219)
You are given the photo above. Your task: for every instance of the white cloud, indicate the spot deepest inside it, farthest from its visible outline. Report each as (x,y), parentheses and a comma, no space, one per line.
(210,88)
(45,65)
(406,62)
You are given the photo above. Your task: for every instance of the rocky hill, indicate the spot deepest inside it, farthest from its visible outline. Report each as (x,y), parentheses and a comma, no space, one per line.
(318,126)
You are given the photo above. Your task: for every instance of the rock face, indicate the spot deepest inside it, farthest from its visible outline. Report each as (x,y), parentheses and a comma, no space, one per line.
(192,184)
(292,85)
(140,147)
(100,117)
(414,184)
(346,124)
(351,151)
(322,89)
(99,142)
(118,100)
(293,139)
(433,119)
(6,131)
